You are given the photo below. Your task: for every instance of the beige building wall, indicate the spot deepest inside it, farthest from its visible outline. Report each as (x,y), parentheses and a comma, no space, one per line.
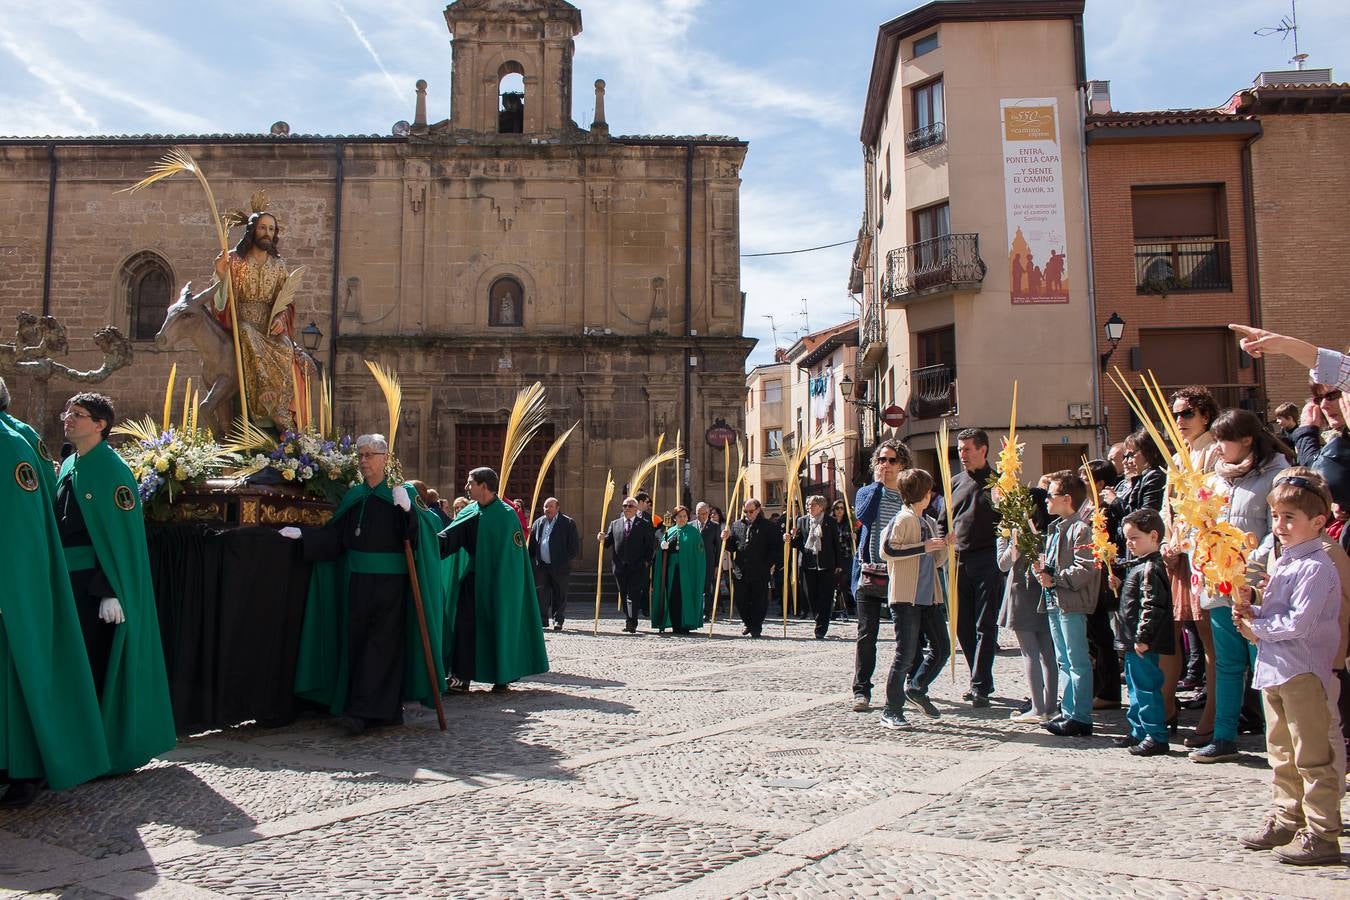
(1048,349)
(768,398)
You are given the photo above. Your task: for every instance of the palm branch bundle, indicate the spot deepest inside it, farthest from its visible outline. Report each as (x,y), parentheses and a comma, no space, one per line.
(600,551)
(945,467)
(528,415)
(393,398)
(726,526)
(647,467)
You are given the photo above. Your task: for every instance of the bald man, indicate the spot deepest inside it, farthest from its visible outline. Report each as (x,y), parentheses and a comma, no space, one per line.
(634,543)
(554,543)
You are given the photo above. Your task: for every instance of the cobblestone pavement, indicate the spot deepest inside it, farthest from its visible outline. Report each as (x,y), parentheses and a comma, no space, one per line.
(665,766)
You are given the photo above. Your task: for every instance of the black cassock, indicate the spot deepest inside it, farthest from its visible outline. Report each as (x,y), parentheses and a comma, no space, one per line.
(376,604)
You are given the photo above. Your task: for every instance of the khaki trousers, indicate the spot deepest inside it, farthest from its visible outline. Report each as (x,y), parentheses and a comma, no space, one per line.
(1309,776)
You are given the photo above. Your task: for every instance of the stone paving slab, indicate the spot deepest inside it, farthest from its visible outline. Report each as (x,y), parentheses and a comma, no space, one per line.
(496,846)
(166,802)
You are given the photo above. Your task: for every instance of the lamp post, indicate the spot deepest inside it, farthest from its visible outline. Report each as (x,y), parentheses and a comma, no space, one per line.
(311,337)
(1115,330)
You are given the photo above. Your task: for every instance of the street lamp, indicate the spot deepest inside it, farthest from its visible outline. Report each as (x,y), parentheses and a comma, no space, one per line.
(1115,330)
(310,338)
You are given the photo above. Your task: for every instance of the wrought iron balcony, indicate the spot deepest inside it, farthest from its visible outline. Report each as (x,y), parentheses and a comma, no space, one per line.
(934,392)
(946,263)
(871,341)
(925,137)
(1175,266)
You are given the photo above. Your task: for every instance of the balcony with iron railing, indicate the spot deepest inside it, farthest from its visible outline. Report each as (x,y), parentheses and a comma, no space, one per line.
(942,264)
(934,392)
(925,137)
(871,341)
(1165,267)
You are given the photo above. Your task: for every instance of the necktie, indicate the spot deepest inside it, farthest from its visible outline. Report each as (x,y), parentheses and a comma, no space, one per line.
(627,526)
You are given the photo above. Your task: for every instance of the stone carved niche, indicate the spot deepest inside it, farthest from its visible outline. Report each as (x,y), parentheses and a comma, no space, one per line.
(351,301)
(506,303)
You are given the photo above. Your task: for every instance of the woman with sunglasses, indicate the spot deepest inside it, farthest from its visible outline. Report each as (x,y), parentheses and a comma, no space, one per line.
(1323,445)
(1193,409)
(843,532)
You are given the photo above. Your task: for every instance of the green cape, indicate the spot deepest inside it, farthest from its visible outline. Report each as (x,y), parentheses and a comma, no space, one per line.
(137,712)
(321,672)
(508,639)
(48,468)
(690,570)
(49,718)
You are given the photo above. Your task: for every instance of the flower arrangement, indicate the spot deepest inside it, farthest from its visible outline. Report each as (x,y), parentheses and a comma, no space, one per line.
(323,467)
(165,462)
(1103,549)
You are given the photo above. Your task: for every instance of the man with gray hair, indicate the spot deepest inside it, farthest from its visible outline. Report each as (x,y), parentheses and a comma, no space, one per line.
(756,546)
(357,654)
(634,543)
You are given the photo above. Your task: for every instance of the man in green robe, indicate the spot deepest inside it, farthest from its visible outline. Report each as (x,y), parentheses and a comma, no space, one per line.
(47,471)
(677,596)
(49,718)
(98,514)
(361,652)
(497,637)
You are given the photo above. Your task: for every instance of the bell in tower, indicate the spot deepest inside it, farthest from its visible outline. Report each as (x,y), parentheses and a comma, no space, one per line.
(512,65)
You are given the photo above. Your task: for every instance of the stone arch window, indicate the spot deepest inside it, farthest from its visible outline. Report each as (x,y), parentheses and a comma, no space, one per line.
(511,89)
(506,303)
(147,283)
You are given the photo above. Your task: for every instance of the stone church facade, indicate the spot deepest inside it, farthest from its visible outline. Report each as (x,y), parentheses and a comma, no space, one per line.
(475,255)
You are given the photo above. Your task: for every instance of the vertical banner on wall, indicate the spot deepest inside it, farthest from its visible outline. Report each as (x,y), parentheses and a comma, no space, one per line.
(1033,192)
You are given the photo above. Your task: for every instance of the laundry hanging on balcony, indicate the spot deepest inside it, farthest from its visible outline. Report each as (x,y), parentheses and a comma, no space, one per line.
(822,393)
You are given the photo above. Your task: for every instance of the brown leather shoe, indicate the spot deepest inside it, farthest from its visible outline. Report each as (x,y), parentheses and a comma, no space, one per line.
(1272,834)
(1309,849)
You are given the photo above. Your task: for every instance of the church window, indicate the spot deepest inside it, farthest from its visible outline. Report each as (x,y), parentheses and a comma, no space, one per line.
(146,285)
(511,90)
(506,303)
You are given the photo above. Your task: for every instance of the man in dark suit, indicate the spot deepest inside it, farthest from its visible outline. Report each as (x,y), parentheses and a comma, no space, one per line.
(633,541)
(554,543)
(756,545)
(816,538)
(712,549)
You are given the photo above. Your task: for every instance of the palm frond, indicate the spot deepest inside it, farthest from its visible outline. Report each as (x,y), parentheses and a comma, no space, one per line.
(646,467)
(145,429)
(286,296)
(247,438)
(528,415)
(393,397)
(175,161)
(544,467)
(168,396)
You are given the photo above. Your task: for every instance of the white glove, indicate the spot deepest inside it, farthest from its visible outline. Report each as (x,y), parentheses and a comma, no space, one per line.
(110,611)
(290,531)
(401,498)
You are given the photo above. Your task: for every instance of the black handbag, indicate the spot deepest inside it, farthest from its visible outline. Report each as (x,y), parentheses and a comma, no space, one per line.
(874,582)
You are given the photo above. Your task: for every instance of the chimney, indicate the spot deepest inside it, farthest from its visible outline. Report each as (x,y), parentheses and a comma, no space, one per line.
(1293,76)
(420,111)
(600,125)
(1099,97)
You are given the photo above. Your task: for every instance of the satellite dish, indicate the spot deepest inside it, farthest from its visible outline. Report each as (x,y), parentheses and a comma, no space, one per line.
(401,128)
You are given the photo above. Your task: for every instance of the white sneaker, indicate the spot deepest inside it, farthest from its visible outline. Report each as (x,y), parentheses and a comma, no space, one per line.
(1030,717)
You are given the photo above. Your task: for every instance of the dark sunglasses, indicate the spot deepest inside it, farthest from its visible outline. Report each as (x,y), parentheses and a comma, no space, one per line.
(888,459)
(1297,481)
(1330,396)
(1186,413)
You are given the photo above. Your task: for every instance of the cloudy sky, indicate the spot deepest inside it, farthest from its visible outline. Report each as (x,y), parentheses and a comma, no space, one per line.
(788,76)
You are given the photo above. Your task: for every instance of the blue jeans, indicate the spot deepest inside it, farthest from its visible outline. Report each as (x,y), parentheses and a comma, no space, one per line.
(937,646)
(906,617)
(1069,632)
(1232,655)
(1144,679)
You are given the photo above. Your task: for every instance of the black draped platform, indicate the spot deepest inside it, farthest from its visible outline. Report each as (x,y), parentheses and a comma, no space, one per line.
(231,601)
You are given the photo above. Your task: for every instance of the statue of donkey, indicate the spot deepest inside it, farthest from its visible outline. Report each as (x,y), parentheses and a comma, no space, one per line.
(190,320)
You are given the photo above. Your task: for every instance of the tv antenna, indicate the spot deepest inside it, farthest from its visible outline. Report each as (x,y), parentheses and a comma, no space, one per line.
(806,320)
(773,329)
(1288,25)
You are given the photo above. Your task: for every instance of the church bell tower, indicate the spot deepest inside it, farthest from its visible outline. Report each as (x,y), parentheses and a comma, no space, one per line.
(495,39)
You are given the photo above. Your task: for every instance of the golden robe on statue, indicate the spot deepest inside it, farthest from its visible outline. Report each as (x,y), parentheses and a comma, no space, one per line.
(275,372)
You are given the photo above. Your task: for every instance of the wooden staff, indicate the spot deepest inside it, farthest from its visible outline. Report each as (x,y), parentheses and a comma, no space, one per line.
(953,604)
(426,635)
(600,550)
